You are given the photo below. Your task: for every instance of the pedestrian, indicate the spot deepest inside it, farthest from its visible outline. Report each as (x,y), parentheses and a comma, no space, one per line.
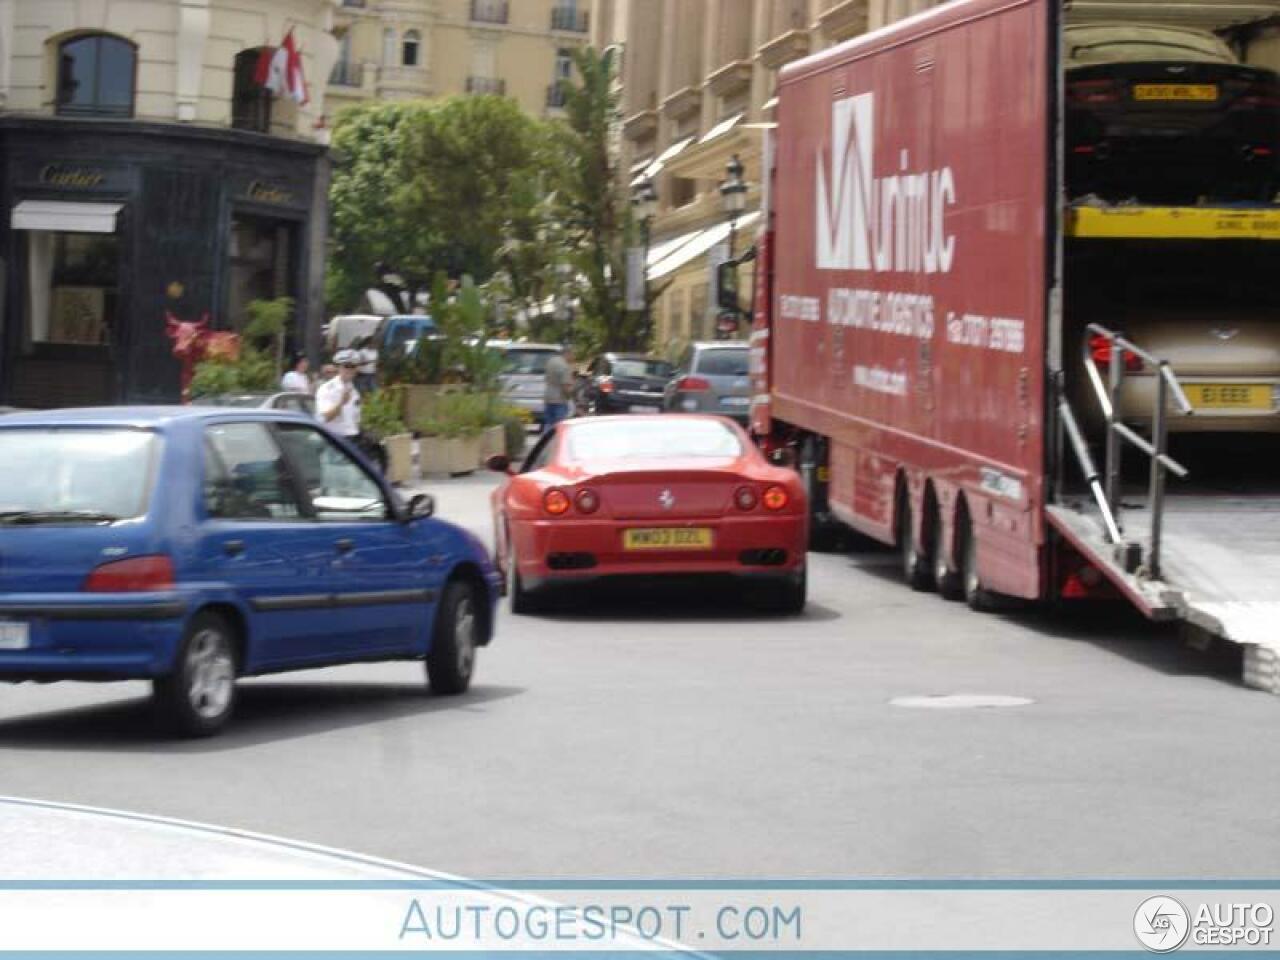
(559,387)
(297,379)
(338,399)
(327,372)
(366,381)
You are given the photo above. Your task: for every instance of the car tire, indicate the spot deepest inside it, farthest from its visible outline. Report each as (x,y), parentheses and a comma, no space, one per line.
(522,601)
(945,579)
(789,596)
(975,595)
(916,568)
(452,658)
(198,697)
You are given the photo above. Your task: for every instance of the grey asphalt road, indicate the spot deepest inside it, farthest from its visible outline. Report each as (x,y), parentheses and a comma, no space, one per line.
(679,736)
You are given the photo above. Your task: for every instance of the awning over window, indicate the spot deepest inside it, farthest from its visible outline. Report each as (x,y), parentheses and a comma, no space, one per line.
(65,216)
(653,169)
(698,243)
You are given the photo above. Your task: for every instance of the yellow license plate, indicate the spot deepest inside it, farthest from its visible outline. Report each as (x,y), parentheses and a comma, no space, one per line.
(1229,396)
(1198,92)
(668,538)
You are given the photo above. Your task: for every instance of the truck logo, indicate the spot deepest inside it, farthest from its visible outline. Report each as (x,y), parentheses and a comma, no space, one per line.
(895,223)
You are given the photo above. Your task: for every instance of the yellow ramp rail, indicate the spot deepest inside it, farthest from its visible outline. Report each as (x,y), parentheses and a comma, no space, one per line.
(1173,223)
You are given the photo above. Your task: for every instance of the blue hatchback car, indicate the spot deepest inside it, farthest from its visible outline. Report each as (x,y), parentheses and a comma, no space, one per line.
(193,545)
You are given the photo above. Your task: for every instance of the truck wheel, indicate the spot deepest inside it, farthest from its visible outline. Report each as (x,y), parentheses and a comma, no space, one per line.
(199,696)
(915,566)
(975,595)
(824,536)
(521,600)
(452,657)
(945,579)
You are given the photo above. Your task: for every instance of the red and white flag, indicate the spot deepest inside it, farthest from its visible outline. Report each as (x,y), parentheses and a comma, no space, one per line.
(280,71)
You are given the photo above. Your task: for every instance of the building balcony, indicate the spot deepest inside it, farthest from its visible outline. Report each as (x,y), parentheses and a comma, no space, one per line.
(730,79)
(844,20)
(487,85)
(556,96)
(396,83)
(347,73)
(570,19)
(641,125)
(784,48)
(682,103)
(490,11)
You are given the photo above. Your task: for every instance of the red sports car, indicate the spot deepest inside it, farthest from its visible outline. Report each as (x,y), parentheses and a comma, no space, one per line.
(650,496)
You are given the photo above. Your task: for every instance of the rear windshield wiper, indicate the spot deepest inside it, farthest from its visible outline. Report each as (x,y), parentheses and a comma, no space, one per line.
(55,516)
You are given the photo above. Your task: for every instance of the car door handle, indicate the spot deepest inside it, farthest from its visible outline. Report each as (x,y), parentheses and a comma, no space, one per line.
(233,548)
(344,545)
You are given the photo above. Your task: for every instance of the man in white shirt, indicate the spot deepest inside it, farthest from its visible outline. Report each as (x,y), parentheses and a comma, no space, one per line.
(338,400)
(296,379)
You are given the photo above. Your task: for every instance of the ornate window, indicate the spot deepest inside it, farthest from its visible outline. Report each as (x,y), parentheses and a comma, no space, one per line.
(96,75)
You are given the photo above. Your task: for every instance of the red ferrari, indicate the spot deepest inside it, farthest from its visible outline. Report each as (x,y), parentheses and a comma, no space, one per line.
(649,496)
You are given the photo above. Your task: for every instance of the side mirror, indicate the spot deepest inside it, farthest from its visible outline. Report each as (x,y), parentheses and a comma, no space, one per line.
(727,285)
(499,463)
(422,505)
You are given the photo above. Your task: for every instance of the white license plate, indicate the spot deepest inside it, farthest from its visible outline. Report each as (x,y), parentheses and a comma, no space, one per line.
(641,408)
(735,401)
(15,636)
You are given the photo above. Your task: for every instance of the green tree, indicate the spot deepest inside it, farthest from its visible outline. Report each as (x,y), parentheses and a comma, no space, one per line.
(594,210)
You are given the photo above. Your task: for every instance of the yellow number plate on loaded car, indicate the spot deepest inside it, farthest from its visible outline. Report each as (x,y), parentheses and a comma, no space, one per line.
(668,538)
(1199,92)
(1230,396)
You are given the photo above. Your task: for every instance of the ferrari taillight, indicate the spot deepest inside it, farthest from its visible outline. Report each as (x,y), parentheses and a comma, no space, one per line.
(555,501)
(775,498)
(134,575)
(745,498)
(588,501)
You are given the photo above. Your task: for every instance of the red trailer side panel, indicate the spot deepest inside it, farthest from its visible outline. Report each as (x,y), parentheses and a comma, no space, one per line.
(910,297)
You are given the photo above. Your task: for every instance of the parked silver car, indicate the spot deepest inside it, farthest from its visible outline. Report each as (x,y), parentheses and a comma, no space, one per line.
(524,375)
(712,377)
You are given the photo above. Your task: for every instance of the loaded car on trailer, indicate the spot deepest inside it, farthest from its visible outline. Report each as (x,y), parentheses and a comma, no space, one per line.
(941,320)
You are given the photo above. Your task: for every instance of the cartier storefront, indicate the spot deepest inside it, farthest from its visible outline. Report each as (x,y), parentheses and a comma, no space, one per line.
(111,224)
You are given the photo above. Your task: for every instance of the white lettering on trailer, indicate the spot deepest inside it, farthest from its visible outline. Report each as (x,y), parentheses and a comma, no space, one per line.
(903,314)
(1002,334)
(808,309)
(891,224)
(880,380)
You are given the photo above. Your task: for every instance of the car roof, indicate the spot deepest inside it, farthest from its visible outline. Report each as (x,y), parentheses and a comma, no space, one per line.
(533,346)
(720,344)
(153,416)
(634,356)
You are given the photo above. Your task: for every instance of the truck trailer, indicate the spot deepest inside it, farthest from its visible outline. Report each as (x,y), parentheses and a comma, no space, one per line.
(934,347)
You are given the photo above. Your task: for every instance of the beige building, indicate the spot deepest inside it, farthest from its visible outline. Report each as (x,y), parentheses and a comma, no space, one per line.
(697,86)
(145,173)
(391,49)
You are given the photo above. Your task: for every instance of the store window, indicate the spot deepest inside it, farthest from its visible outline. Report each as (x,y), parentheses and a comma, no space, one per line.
(96,75)
(250,101)
(412,40)
(262,263)
(73,287)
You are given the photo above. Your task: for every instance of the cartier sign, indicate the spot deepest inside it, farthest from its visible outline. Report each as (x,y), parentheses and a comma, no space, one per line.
(59,176)
(264,192)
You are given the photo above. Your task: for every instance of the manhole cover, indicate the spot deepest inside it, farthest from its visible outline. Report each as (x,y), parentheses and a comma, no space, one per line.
(960,701)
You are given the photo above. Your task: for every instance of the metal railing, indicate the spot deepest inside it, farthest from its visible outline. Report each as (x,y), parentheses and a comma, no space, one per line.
(570,19)
(489,11)
(347,73)
(1106,489)
(486,85)
(555,95)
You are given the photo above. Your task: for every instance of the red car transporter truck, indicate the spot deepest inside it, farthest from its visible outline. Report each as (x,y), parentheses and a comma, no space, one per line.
(919,325)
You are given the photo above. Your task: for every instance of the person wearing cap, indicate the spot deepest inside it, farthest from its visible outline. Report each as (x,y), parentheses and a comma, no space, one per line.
(338,400)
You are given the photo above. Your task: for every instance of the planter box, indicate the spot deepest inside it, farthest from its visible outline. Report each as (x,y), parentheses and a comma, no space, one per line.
(419,401)
(399,450)
(433,455)
(493,443)
(463,453)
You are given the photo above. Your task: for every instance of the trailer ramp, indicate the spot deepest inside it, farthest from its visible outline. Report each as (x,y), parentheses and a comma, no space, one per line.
(1219,571)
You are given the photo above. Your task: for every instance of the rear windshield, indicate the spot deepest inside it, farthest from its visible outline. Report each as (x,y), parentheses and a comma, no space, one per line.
(641,368)
(75,474)
(670,436)
(723,362)
(526,361)
(1143,45)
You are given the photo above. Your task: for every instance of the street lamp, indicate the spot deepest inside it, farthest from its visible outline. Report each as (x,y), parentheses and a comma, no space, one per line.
(644,201)
(733,198)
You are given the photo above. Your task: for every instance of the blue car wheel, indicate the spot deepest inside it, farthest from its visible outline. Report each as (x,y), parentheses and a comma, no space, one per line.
(197,698)
(457,633)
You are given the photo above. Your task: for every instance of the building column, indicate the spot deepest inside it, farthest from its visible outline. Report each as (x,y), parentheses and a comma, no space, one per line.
(193,32)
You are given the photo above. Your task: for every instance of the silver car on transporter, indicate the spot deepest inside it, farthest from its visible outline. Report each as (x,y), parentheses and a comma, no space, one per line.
(712,377)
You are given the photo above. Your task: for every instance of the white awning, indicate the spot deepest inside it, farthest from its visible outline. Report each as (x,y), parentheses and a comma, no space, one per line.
(696,244)
(721,128)
(69,217)
(653,169)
